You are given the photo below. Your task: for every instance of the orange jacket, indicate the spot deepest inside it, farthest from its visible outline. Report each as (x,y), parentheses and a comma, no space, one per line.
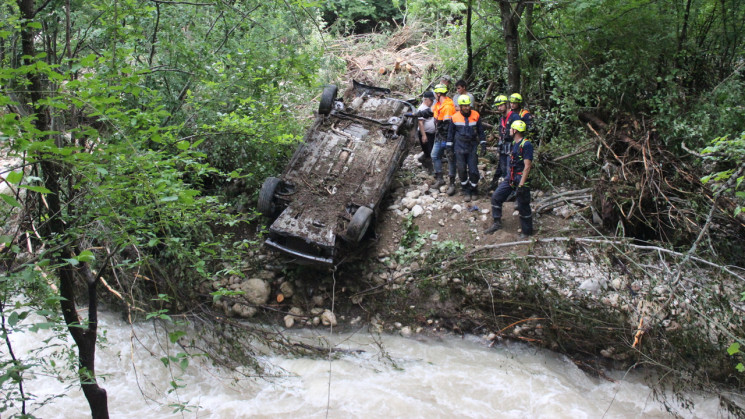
(443,113)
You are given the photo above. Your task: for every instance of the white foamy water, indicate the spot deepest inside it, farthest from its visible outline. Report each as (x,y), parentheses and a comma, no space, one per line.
(419,378)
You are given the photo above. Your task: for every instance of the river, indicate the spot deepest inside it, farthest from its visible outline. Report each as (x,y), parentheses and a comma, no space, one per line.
(417,377)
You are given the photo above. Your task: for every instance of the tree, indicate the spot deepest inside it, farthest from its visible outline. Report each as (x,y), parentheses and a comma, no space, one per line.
(511,11)
(108,107)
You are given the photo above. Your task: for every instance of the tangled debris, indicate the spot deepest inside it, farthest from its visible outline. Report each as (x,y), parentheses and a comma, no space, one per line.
(650,194)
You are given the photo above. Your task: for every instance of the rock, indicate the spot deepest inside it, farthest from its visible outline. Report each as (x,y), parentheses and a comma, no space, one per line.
(256,291)
(457,208)
(617,284)
(397,325)
(296,311)
(441,223)
(243,310)
(328,318)
(355,320)
(406,331)
(515,213)
(316,321)
(289,321)
(287,289)
(590,285)
(317,300)
(485,211)
(414,266)
(408,203)
(416,193)
(316,311)
(417,211)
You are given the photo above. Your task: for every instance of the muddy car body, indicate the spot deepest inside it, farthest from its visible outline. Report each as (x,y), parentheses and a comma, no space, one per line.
(327,197)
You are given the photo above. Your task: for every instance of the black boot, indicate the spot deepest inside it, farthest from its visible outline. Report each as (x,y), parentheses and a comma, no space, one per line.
(496,225)
(451,188)
(439,181)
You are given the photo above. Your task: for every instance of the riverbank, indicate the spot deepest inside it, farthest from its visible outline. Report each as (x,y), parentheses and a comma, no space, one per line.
(602,301)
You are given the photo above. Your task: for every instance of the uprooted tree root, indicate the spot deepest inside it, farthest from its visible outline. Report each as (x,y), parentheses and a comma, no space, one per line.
(650,194)
(602,302)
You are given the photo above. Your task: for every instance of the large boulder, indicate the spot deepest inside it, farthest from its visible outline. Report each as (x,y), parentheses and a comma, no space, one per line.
(256,291)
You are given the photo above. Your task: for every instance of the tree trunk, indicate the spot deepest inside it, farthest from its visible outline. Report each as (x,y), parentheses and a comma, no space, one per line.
(85,336)
(469,47)
(510,12)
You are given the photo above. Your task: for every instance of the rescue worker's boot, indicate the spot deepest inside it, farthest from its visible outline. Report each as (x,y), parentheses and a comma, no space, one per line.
(466,195)
(439,181)
(526,226)
(496,225)
(451,188)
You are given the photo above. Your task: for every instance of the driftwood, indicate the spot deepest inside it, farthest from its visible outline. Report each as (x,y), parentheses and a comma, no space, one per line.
(652,193)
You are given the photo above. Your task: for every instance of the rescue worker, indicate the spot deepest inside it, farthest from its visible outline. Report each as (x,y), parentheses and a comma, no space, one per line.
(467,133)
(504,144)
(517,112)
(427,130)
(462,89)
(521,161)
(442,111)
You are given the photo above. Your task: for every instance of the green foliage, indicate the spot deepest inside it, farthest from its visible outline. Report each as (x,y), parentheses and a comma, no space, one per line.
(139,117)
(727,155)
(349,16)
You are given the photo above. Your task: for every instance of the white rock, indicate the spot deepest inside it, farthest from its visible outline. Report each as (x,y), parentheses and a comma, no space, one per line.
(485,210)
(243,310)
(457,208)
(406,331)
(515,213)
(397,325)
(441,223)
(590,285)
(287,289)
(416,193)
(289,321)
(328,318)
(408,203)
(417,210)
(256,291)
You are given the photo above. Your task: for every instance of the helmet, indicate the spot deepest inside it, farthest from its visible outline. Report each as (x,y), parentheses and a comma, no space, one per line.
(464,100)
(516,98)
(441,88)
(519,125)
(500,100)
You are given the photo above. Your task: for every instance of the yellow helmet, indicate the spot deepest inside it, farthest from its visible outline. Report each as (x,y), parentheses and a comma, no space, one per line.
(441,88)
(516,98)
(500,100)
(464,100)
(519,125)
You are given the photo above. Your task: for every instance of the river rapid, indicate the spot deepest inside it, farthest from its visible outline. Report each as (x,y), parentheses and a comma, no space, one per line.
(417,377)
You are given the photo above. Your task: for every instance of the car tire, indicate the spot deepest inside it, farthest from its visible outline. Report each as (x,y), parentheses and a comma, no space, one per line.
(267,206)
(360,222)
(327,99)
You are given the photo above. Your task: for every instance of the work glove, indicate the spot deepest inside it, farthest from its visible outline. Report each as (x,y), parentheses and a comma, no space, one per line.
(483,148)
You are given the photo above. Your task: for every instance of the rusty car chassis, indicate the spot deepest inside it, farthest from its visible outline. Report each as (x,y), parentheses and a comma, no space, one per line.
(327,197)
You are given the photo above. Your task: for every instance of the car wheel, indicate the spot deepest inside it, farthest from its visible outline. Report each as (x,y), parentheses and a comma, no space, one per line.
(327,99)
(359,224)
(267,206)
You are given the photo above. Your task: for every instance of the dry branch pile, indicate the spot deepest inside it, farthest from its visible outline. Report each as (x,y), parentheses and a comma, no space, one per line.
(649,193)
(403,63)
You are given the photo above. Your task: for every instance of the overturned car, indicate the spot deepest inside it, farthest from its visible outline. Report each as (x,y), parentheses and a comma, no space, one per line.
(324,202)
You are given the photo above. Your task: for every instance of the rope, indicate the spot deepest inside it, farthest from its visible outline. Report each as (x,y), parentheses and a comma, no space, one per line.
(331,334)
